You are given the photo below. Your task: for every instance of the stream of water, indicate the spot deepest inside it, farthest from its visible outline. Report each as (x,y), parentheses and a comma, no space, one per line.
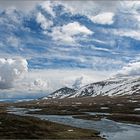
(110,129)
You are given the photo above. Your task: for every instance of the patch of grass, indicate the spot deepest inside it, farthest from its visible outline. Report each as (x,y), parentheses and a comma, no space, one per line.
(17,127)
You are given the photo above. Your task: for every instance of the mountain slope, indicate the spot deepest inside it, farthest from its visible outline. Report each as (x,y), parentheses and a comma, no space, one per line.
(61,93)
(110,87)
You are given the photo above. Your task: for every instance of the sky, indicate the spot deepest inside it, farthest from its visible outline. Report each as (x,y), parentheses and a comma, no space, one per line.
(46,45)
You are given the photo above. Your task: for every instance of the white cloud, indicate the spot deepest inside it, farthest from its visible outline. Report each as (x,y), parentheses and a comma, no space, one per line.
(131,69)
(91,8)
(48,7)
(137,17)
(124,32)
(66,33)
(13,41)
(75,28)
(21,5)
(43,21)
(62,38)
(11,70)
(135,34)
(130,7)
(11,16)
(103,18)
(50,80)
(132,34)
(78,82)
(78,6)
(38,84)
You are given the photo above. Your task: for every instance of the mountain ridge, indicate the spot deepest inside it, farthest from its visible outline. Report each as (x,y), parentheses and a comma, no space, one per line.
(109,87)
(60,93)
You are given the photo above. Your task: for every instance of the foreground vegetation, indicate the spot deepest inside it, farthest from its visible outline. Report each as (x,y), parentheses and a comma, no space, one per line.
(18,127)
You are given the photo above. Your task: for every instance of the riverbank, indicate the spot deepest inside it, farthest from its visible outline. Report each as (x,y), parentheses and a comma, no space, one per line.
(111,130)
(23,127)
(27,127)
(125,118)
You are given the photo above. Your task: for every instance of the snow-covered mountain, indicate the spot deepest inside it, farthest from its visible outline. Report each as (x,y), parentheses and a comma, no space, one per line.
(61,93)
(110,87)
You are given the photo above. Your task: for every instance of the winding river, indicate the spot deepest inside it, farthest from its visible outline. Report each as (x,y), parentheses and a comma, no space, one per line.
(111,130)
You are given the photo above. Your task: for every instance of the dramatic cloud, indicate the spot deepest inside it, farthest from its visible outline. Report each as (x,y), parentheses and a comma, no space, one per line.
(131,69)
(69,40)
(103,18)
(11,70)
(66,33)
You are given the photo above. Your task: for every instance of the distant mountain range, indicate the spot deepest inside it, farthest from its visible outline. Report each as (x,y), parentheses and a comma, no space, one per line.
(110,87)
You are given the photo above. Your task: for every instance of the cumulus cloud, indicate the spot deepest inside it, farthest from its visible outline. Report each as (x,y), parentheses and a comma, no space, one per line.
(132,69)
(39,83)
(11,70)
(43,21)
(103,18)
(66,33)
(49,80)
